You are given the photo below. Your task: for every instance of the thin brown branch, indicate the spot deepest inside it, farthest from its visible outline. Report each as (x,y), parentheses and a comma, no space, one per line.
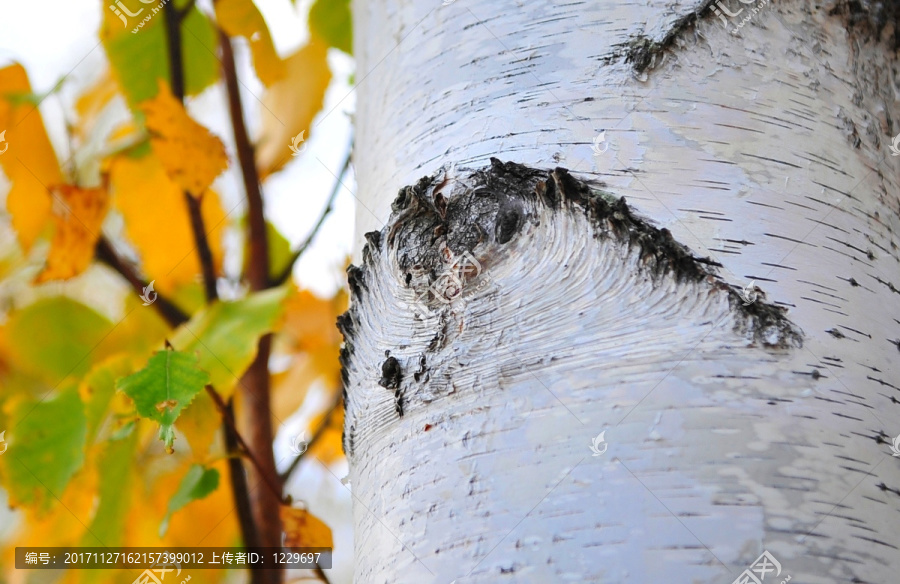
(255,413)
(238,478)
(323,425)
(286,273)
(173,40)
(107,254)
(249,529)
(258,266)
(229,421)
(255,421)
(201,242)
(176,75)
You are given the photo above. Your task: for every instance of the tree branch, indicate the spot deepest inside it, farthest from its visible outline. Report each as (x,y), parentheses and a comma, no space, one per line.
(176,73)
(202,243)
(258,266)
(256,415)
(286,273)
(239,486)
(173,40)
(107,254)
(229,421)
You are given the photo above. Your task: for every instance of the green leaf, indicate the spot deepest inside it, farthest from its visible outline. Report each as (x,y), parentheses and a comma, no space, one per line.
(56,337)
(46,447)
(140,58)
(279,251)
(116,465)
(198,483)
(225,335)
(331,21)
(163,388)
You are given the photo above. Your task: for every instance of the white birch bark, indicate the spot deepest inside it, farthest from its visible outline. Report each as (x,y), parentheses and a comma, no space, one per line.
(764,149)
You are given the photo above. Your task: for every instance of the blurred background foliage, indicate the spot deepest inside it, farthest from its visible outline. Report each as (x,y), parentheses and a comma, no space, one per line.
(108,386)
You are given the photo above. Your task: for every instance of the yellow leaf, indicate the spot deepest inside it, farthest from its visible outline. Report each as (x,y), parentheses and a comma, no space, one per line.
(303,529)
(27,157)
(78,214)
(291,104)
(309,321)
(157,221)
(309,333)
(192,156)
(290,387)
(242,18)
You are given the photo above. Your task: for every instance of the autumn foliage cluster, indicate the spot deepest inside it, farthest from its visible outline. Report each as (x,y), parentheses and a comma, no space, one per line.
(116,400)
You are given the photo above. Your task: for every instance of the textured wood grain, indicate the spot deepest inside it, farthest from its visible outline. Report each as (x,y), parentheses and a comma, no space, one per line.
(765,151)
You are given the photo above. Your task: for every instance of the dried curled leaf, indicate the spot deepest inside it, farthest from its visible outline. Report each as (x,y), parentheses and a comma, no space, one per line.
(192,156)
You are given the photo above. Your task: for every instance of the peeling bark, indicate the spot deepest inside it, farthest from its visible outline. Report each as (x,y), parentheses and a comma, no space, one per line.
(504,314)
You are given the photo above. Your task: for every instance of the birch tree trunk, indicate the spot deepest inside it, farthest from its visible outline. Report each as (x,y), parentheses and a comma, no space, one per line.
(686,240)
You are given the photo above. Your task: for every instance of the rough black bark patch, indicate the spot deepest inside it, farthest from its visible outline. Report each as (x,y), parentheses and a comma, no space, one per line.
(868,20)
(391,374)
(643,52)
